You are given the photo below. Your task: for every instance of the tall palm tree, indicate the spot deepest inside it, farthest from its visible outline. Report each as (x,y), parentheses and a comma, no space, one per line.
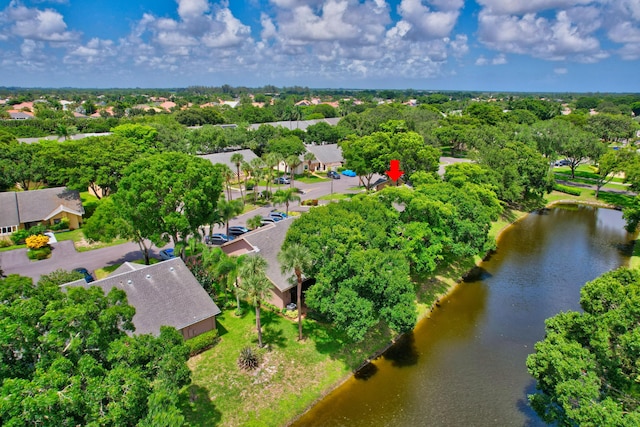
(225,268)
(293,162)
(255,285)
(286,196)
(257,167)
(227,210)
(296,258)
(271,160)
(247,171)
(308,158)
(227,175)
(237,159)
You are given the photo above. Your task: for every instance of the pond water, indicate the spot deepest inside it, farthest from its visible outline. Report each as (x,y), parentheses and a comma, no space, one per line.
(465,365)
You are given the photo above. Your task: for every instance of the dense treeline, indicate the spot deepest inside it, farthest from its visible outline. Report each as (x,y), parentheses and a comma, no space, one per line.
(587,367)
(66,360)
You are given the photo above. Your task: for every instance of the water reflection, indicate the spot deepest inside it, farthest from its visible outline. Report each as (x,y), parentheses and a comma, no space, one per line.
(465,365)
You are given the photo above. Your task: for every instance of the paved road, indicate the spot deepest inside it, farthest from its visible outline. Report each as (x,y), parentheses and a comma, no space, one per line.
(65,256)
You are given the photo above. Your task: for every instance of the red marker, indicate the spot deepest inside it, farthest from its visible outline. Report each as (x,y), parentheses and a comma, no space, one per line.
(394,172)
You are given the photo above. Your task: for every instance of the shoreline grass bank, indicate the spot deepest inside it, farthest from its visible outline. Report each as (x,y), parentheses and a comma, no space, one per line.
(295,375)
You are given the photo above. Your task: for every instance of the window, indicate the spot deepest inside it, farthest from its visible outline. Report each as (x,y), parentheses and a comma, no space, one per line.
(8,230)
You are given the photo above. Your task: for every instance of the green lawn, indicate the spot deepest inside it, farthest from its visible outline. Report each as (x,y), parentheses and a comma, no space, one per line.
(81,244)
(336,196)
(292,375)
(312,179)
(103,272)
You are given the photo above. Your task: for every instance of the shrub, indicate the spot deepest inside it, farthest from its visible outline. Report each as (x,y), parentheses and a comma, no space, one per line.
(37,229)
(38,254)
(4,243)
(291,314)
(310,202)
(37,241)
(202,342)
(62,225)
(18,237)
(566,189)
(248,359)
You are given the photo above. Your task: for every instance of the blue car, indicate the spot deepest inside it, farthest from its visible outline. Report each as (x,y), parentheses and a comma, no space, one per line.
(348,172)
(166,254)
(87,276)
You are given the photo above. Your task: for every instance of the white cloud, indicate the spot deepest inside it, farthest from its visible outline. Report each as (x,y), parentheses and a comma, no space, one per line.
(564,37)
(497,60)
(34,24)
(519,7)
(560,71)
(428,23)
(188,9)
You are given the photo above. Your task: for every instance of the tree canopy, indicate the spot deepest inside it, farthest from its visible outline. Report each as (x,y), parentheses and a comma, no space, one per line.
(66,360)
(588,365)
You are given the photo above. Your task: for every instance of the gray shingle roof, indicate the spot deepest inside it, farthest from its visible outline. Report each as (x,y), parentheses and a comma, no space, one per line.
(225,158)
(36,205)
(297,124)
(326,154)
(9,209)
(267,242)
(165,293)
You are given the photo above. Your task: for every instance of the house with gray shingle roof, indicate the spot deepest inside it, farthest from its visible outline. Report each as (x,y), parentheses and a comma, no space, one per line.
(24,209)
(267,241)
(163,294)
(328,156)
(225,158)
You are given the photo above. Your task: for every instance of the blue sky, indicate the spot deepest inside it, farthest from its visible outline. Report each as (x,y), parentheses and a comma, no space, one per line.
(488,45)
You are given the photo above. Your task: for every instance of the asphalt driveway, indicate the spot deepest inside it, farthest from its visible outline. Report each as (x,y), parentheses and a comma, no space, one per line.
(65,256)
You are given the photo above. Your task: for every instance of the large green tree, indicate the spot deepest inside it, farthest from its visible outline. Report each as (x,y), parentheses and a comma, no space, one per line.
(361,276)
(168,196)
(587,367)
(66,360)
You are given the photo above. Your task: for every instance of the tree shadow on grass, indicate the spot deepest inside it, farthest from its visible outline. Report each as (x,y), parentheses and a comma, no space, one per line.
(197,407)
(272,333)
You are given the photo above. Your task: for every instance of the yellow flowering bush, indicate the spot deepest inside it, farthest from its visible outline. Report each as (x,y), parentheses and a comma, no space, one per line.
(37,241)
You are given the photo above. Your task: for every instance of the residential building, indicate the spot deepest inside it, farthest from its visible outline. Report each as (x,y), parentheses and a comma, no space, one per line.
(24,209)
(163,294)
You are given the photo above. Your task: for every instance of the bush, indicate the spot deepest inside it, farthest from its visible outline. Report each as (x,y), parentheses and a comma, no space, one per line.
(568,190)
(4,243)
(291,314)
(37,241)
(18,237)
(202,342)
(62,225)
(37,229)
(38,254)
(248,359)
(310,202)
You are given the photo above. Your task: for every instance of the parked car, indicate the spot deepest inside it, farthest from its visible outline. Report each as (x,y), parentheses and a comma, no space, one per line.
(277,215)
(333,175)
(237,230)
(281,180)
(218,239)
(563,162)
(267,220)
(348,172)
(166,254)
(87,276)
